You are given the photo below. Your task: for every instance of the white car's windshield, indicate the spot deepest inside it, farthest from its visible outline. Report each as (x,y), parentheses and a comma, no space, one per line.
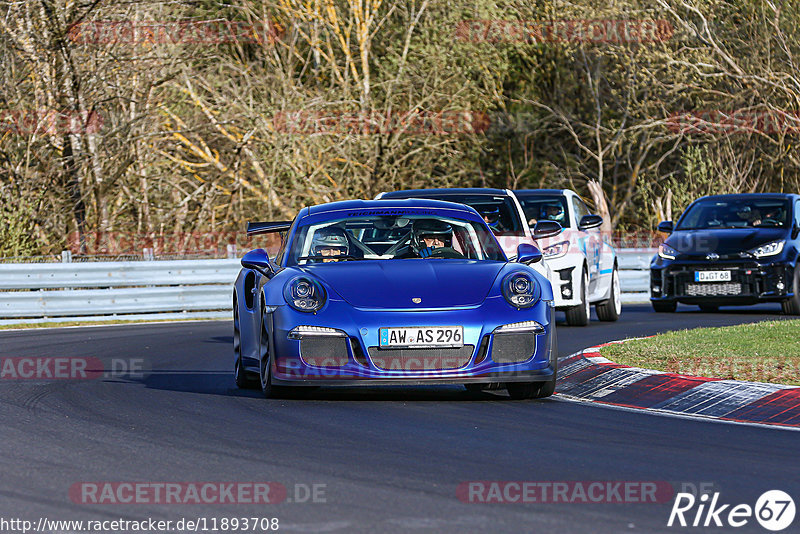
(391,237)
(736,213)
(544,208)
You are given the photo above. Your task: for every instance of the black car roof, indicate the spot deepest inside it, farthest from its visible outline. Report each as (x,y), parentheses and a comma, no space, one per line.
(406,193)
(743,196)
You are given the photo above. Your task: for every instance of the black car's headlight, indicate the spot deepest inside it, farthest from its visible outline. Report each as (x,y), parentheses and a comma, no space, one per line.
(770,249)
(667,252)
(521,290)
(304,294)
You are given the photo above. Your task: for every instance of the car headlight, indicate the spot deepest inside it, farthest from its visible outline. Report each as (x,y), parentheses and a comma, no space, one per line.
(523,327)
(556,251)
(520,290)
(667,252)
(304,294)
(770,249)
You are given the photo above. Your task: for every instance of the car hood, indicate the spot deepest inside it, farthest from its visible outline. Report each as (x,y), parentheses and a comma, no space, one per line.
(394,283)
(722,241)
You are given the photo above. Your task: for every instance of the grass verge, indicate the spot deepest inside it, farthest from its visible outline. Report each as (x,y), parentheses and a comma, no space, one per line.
(761,352)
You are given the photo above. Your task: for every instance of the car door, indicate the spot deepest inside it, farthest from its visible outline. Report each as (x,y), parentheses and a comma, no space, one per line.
(589,241)
(796,216)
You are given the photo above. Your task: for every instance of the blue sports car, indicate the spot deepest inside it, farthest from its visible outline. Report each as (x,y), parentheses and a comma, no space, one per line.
(392,292)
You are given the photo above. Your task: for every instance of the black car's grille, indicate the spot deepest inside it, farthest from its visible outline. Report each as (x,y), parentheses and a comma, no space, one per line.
(324,351)
(713,289)
(420,359)
(513,348)
(679,280)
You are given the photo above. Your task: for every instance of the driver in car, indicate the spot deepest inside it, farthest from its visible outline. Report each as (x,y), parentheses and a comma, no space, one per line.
(751,216)
(431,235)
(491,215)
(330,242)
(552,211)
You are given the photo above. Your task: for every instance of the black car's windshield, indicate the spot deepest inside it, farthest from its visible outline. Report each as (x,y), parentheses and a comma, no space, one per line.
(388,237)
(499,211)
(736,213)
(544,208)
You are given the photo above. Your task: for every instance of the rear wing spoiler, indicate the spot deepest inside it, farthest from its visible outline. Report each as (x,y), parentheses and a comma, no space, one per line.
(257,228)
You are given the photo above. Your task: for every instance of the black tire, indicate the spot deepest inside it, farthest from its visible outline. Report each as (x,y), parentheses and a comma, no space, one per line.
(792,306)
(244,380)
(610,310)
(531,390)
(708,308)
(664,306)
(522,390)
(535,390)
(265,367)
(579,315)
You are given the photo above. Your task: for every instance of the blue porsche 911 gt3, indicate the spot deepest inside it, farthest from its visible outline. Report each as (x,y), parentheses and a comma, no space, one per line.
(394,292)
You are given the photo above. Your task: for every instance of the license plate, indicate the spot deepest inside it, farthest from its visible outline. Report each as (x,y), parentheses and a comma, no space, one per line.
(422,336)
(712,276)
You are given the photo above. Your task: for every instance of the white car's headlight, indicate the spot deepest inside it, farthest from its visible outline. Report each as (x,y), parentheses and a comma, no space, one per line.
(770,249)
(556,251)
(667,252)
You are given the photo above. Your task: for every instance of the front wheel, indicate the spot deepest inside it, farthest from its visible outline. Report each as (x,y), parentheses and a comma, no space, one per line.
(531,390)
(265,367)
(664,307)
(611,309)
(792,305)
(579,315)
(244,380)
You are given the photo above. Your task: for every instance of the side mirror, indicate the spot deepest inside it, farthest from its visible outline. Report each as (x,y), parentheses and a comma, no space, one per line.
(665,227)
(527,254)
(590,221)
(258,260)
(544,229)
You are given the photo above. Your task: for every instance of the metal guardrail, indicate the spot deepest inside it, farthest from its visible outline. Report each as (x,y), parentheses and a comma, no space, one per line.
(71,291)
(634,274)
(110,290)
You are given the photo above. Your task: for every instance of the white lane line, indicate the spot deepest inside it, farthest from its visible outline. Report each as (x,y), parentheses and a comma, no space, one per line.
(664,413)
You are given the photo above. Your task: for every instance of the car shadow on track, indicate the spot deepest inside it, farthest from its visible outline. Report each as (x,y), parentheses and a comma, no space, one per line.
(221,383)
(228,340)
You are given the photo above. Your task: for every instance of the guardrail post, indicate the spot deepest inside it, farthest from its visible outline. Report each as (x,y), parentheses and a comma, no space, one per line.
(66,256)
(232,251)
(147,254)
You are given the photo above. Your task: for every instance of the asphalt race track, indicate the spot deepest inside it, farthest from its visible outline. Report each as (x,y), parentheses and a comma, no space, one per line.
(384,460)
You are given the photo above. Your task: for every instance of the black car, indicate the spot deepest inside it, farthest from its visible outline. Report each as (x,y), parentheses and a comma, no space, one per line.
(730,250)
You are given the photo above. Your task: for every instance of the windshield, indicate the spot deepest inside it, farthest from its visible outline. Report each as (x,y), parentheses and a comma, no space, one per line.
(736,213)
(499,212)
(390,237)
(544,208)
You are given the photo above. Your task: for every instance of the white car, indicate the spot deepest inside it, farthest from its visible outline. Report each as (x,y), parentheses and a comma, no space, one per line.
(501,211)
(582,261)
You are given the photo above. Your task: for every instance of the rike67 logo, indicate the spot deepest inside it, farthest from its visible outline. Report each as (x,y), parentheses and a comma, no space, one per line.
(774,510)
